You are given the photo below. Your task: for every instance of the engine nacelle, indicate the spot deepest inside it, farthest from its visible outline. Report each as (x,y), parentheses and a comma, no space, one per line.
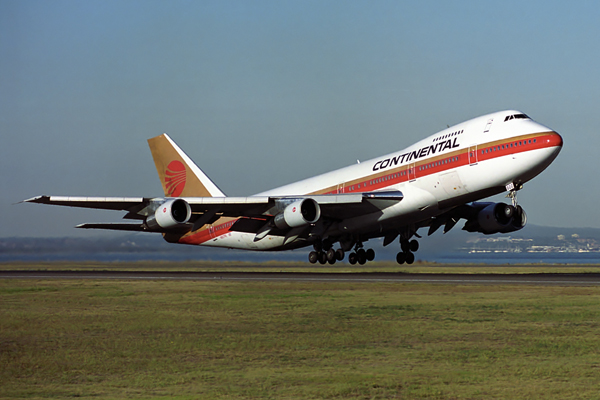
(497,218)
(299,213)
(171,215)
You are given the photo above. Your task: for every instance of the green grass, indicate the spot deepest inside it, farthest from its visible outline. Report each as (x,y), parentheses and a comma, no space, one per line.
(277,266)
(281,340)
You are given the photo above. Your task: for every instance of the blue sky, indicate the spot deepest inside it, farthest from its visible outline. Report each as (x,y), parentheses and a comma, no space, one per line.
(263,93)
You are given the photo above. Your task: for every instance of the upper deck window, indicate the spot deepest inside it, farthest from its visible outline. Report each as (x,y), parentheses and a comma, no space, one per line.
(515,116)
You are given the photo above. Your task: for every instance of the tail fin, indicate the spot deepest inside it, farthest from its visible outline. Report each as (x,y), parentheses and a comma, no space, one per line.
(179,176)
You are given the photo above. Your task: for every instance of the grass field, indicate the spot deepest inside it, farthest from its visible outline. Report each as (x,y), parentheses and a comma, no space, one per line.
(271,266)
(213,340)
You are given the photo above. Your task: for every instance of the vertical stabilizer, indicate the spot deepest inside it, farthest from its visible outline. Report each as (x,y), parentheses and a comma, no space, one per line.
(178,174)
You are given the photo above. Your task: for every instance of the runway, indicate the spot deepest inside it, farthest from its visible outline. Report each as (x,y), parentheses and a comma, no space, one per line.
(551,279)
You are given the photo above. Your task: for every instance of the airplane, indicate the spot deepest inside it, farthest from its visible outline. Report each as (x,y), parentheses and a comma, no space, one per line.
(433,183)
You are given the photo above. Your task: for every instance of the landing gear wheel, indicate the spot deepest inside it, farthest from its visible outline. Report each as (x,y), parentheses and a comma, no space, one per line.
(362,256)
(339,254)
(370,254)
(414,245)
(352,258)
(313,257)
(401,258)
(322,257)
(331,255)
(410,258)
(332,261)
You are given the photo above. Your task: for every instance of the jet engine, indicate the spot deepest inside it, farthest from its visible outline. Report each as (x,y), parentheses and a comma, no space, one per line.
(169,216)
(497,218)
(299,213)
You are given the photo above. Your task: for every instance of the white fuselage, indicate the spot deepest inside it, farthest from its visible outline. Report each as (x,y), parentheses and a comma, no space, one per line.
(466,162)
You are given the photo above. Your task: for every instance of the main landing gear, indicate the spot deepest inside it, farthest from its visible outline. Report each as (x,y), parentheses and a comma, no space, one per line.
(324,253)
(407,255)
(361,255)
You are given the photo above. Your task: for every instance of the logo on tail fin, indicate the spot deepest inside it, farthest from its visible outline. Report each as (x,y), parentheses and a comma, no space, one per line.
(175,178)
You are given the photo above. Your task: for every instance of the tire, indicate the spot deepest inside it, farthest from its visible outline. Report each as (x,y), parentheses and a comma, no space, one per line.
(362,257)
(352,259)
(322,257)
(410,258)
(339,254)
(331,255)
(401,258)
(370,253)
(313,257)
(414,246)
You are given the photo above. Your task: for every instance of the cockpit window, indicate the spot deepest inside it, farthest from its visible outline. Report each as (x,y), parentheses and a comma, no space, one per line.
(515,116)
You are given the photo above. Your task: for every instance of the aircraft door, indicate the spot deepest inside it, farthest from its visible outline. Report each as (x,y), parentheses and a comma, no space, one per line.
(473,154)
(488,125)
(340,188)
(412,172)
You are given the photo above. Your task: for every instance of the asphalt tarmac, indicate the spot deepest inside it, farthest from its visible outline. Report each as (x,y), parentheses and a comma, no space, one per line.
(551,279)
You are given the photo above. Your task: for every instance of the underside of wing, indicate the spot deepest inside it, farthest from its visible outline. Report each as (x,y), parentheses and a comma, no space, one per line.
(338,206)
(302,216)
(115,227)
(260,215)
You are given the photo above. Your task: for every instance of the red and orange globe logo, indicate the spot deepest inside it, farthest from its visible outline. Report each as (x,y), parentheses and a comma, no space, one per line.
(175,178)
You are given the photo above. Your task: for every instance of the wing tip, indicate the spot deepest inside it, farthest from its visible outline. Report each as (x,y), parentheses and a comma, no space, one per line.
(36,199)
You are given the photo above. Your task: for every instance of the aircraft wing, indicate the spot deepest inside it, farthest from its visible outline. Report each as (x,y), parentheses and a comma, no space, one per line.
(206,210)
(337,206)
(139,205)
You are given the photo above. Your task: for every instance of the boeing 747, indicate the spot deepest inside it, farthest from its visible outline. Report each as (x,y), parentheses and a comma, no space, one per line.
(432,184)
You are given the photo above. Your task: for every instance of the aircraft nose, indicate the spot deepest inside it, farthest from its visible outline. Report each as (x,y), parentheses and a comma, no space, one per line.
(554,142)
(555,139)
